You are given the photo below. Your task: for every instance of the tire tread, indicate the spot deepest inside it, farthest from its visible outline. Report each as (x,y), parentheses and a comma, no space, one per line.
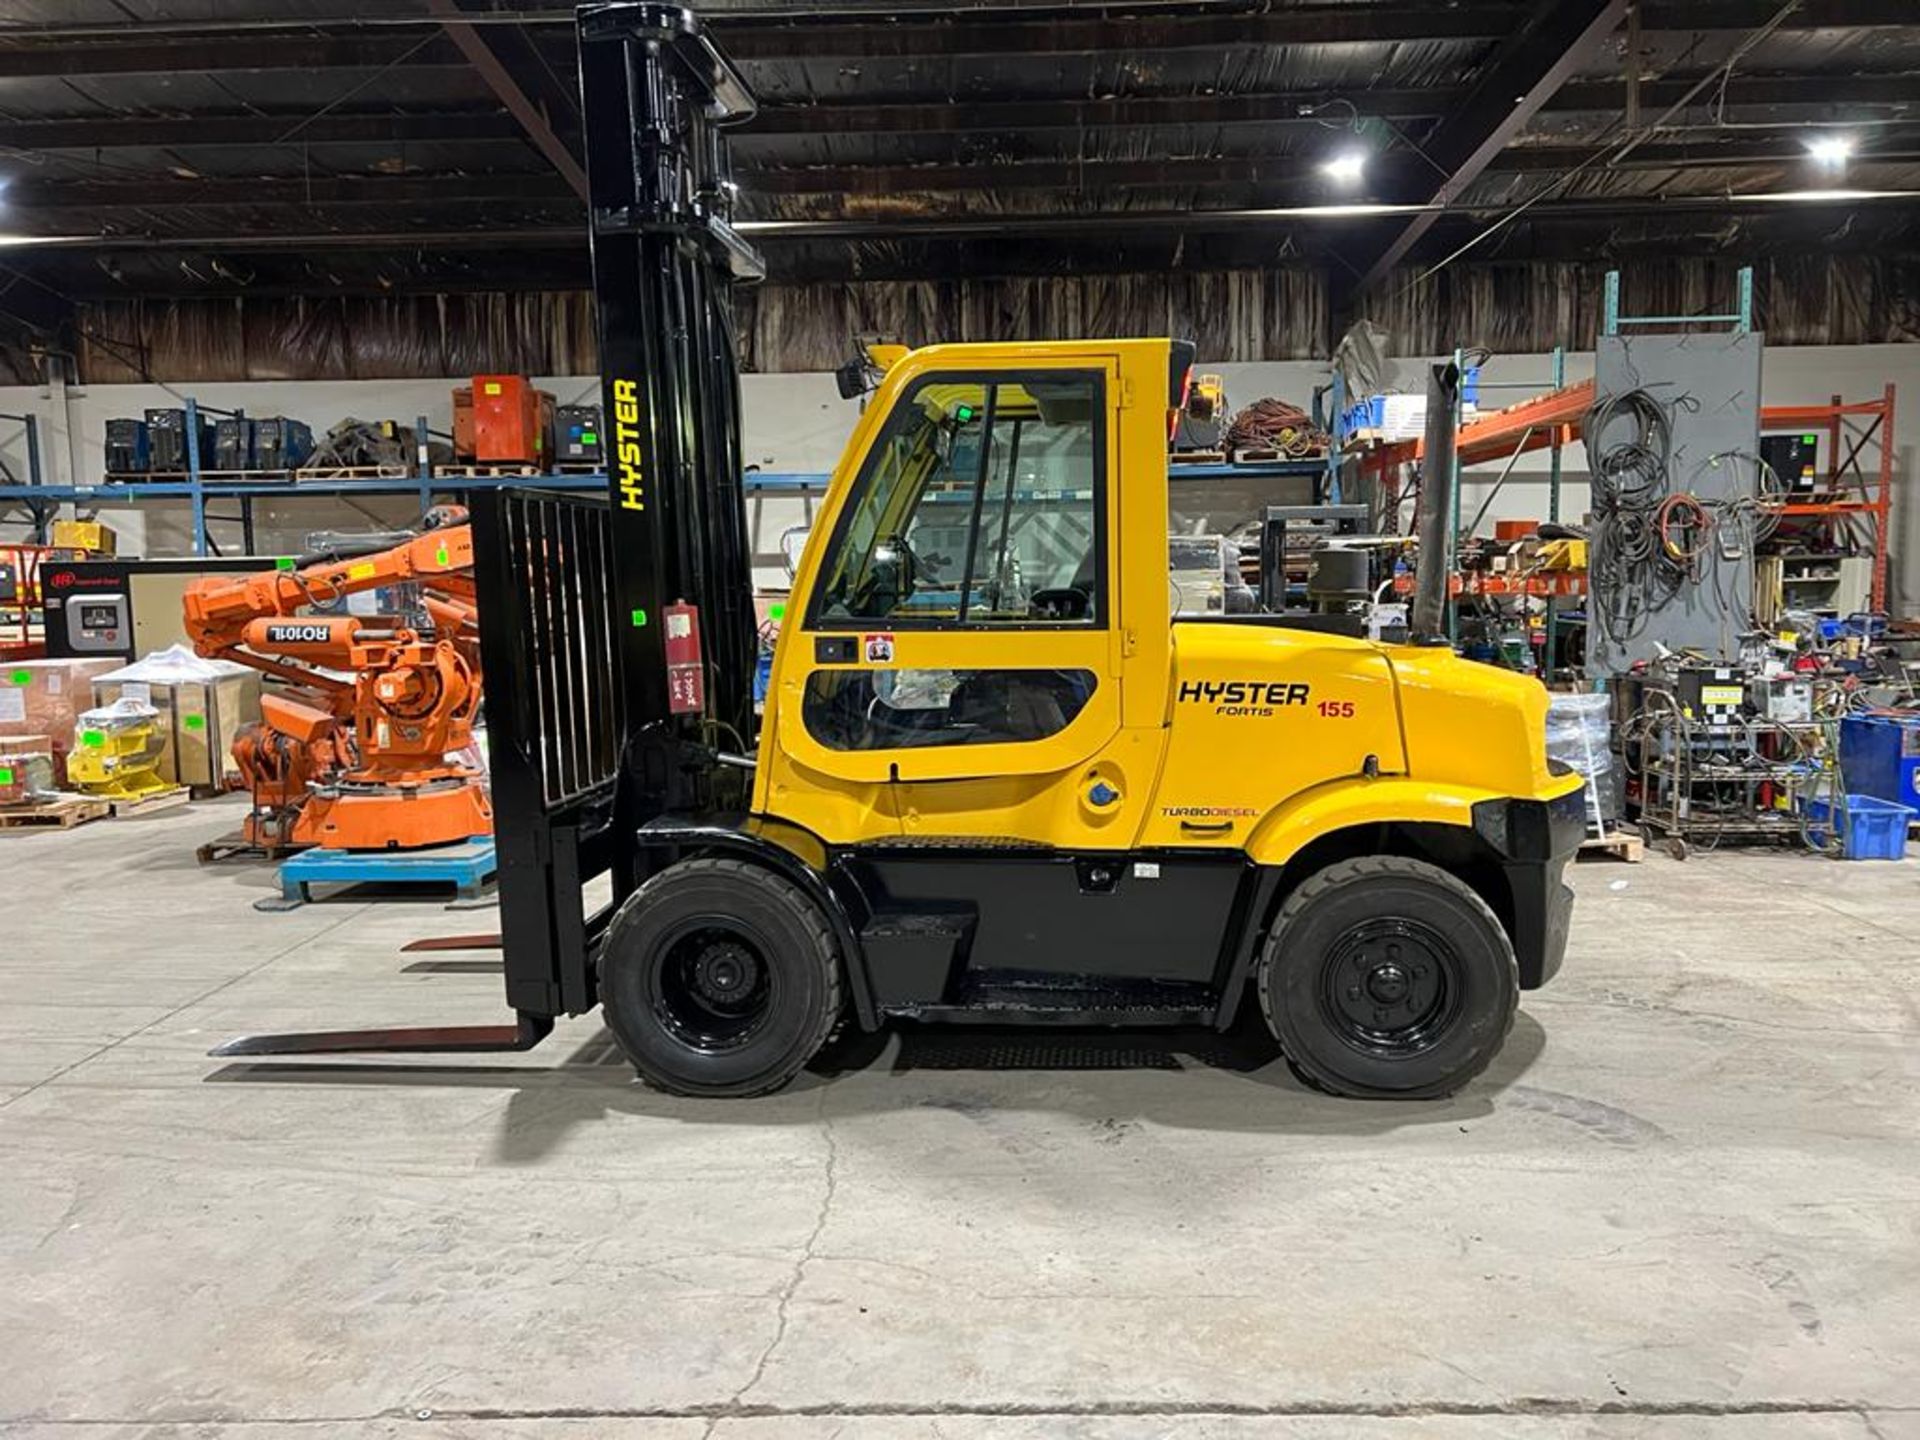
(1325,882)
(819,942)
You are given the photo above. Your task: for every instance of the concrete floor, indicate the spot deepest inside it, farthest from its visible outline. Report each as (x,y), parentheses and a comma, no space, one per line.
(1685,1203)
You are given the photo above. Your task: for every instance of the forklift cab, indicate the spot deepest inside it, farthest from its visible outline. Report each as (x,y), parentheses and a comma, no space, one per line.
(958,631)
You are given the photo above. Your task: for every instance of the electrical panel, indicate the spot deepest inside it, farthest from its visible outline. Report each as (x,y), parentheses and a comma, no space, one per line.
(577,435)
(99,624)
(1794,458)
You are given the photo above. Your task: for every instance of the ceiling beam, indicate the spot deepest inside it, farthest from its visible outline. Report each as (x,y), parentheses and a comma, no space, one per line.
(1522,76)
(1287,108)
(111,132)
(1898,89)
(1094,176)
(230,191)
(265,43)
(108,132)
(482,56)
(1746,15)
(935,35)
(214,51)
(1298,107)
(1190,221)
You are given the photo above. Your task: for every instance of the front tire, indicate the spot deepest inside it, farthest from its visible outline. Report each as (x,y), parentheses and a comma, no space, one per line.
(1388,978)
(719,978)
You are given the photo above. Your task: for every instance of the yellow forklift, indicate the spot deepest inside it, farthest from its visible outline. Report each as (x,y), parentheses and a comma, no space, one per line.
(995,780)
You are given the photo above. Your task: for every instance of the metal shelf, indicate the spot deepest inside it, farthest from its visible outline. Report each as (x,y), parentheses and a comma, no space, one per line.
(199,491)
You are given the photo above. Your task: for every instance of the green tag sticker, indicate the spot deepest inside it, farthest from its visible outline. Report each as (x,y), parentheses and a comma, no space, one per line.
(440,556)
(194,722)
(639,619)
(285,562)
(587,437)
(776,612)
(21,677)
(6,776)
(92,739)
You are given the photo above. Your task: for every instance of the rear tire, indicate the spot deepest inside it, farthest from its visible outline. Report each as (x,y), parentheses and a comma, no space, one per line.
(1388,978)
(719,978)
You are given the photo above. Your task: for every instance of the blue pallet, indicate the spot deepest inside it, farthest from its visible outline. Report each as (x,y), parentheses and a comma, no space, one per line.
(466,866)
(1876,829)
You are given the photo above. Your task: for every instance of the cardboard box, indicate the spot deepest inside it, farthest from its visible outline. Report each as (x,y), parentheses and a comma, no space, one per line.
(198,721)
(88,535)
(26,769)
(45,697)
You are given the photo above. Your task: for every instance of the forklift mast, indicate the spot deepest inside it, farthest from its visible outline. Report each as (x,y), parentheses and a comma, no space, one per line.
(655,98)
(628,620)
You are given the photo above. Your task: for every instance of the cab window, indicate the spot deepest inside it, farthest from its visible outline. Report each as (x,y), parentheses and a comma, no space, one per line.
(980,504)
(914,709)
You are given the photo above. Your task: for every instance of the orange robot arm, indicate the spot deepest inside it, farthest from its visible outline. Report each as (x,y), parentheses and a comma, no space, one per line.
(228,618)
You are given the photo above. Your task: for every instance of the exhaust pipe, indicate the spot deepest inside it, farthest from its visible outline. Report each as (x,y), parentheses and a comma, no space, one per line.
(1428,621)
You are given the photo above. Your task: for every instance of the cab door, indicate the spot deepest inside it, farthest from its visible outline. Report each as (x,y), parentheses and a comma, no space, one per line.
(955,672)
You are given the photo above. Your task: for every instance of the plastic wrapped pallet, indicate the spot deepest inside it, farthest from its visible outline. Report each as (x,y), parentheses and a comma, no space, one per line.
(1579,734)
(201,703)
(26,770)
(45,697)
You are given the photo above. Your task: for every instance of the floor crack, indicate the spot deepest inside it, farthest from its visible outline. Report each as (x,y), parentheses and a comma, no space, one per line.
(805,1258)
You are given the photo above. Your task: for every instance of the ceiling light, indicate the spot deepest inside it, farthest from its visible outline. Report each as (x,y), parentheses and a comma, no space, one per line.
(1346,167)
(1832,151)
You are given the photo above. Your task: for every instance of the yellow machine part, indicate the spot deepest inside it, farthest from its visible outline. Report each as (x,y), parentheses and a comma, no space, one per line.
(119,761)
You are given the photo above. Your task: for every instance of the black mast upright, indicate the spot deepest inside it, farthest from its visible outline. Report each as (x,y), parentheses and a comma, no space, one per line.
(656,97)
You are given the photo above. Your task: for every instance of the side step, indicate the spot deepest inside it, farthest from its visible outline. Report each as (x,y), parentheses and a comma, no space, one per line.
(1015,997)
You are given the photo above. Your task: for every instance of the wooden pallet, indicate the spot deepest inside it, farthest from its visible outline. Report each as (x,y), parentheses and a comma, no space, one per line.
(1616,845)
(62,814)
(246,477)
(151,804)
(236,846)
(1267,455)
(485,472)
(356,472)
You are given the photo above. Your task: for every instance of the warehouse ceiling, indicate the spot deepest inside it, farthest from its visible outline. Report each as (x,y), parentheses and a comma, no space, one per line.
(232,147)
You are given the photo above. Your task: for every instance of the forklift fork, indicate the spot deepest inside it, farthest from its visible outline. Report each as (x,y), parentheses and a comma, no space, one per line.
(524,1034)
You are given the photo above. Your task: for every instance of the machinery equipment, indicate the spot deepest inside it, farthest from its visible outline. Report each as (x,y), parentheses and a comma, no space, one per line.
(120,606)
(116,752)
(128,447)
(168,439)
(577,435)
(356,763)
(280,443)
(233,443)
(969,801)
(1794,460)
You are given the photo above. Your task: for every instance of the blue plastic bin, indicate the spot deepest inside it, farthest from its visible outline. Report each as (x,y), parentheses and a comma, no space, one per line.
(1876,829)
(1880,756)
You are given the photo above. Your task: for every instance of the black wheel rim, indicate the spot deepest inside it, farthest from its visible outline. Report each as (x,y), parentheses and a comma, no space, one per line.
(711,987)
(1392,988)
